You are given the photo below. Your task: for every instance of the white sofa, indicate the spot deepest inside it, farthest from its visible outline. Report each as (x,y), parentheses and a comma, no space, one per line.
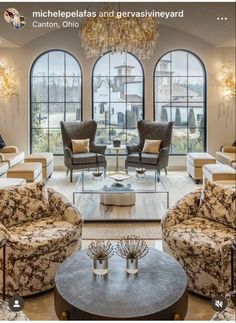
(227,156)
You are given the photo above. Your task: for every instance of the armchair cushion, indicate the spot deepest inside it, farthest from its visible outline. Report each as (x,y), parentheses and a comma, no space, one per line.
(23,203)
(87,158)
(151,146)
(218,203)
(80,145)
(147,158)
(201,237)
(38,237)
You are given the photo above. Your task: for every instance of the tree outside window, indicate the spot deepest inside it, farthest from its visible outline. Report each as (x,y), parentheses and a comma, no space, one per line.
(180,82)
(55,93)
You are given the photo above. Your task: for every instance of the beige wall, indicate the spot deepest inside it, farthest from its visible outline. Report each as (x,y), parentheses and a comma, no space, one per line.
(14,115)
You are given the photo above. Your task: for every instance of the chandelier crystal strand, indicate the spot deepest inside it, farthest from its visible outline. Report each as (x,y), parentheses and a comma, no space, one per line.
(136,35)
(7,82)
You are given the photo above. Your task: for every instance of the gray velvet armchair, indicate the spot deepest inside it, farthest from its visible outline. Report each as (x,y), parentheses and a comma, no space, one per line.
(153,131)
(81,130)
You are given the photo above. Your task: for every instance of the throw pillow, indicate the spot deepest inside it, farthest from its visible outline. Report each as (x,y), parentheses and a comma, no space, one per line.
(2,142)
(80,145)
(151,146)
(218,203)
(24,203)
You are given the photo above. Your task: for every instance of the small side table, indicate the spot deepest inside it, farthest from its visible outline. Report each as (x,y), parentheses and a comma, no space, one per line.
(117,149)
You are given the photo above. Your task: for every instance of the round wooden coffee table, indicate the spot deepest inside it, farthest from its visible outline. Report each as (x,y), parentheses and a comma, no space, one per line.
(157,292)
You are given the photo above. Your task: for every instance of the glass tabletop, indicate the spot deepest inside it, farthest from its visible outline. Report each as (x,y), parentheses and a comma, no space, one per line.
(120,184)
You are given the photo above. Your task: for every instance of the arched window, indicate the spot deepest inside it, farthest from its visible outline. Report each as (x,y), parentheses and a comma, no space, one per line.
(180,96)
(55,95)
(118,102)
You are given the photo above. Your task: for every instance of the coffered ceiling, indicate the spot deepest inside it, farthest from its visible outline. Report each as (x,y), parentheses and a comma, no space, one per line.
(200,20)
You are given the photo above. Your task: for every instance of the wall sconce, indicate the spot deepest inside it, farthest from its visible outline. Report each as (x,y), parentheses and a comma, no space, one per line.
(227,82)
(7,82)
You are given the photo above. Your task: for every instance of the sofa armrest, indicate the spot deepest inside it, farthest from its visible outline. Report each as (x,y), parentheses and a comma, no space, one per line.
(68,157)
(73,216)
(15,245)
(185,208)
(163,157)
(1,157)
(98,149)
(229,149)
(132,149)
(68,152)
(9,237)
(9,149)
(61,206)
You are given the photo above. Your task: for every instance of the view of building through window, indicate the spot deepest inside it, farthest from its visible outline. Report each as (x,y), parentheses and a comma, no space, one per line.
(118,102)
(55,96)
(180,97)
(118,83)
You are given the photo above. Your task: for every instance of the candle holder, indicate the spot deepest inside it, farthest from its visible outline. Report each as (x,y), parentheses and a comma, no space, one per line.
(132,265)
(132,248)
(100,251)
(97,174)
(140,171)
(116,143)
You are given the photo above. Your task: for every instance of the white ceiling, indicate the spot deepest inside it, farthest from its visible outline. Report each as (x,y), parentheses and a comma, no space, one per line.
(200,20)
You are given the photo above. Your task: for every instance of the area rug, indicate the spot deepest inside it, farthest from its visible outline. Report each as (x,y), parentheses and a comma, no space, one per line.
(116,230)
(148,207)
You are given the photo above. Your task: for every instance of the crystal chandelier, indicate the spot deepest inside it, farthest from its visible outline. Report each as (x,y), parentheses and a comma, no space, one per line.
(119,34)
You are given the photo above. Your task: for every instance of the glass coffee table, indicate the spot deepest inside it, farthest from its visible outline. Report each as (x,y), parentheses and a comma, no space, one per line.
(125,191)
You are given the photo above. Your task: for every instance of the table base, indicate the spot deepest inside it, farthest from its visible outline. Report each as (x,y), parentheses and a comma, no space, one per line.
(126,199)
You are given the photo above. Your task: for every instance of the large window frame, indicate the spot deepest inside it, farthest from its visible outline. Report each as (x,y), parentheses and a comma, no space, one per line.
(48,102)
(142,76)
(204,101)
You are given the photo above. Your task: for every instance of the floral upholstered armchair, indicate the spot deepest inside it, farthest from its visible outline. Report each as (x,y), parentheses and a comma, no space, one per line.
(41,229)
(199,231)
